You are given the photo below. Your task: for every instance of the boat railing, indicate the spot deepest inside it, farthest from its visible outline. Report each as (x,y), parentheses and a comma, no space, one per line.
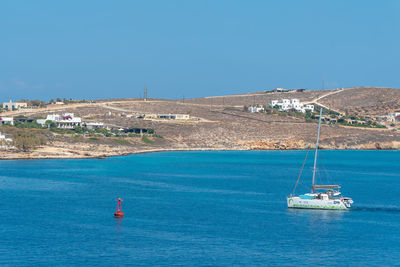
(326,186)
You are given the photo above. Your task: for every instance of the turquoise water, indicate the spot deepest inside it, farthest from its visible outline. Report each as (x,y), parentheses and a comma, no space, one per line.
(198,208)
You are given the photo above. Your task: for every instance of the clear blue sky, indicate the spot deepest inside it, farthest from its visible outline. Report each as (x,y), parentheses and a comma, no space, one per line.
(111,49)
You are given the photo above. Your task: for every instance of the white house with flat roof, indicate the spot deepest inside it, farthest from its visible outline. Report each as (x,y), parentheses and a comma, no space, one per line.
(277,90)
(65,121)
(5,143)
(273,103)
(254,109)
(173,116)
(295,103)
(4,138)
(93,125)
(309,107)
(14,105)
(182,116)
(6,120)
(393,117)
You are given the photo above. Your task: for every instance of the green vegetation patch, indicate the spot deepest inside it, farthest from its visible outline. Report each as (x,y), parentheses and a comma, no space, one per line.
(34,103)
(147,140)
(26,139)
(122,142)
(235,109)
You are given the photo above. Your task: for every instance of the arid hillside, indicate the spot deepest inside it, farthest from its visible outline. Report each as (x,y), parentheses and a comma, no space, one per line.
(262,98)
(218,123)
(356,100)
(364,100)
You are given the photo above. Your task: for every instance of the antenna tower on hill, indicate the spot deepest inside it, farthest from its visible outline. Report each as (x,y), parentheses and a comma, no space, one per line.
(145,93)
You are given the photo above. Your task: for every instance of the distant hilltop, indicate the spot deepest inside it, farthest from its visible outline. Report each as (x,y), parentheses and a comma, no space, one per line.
(283,90)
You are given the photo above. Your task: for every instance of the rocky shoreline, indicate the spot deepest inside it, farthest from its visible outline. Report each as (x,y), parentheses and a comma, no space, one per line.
(48,152)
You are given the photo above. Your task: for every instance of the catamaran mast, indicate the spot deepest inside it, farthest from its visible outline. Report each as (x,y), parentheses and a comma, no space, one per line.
(316,151)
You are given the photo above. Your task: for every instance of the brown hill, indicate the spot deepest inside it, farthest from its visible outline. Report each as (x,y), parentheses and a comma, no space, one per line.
(364,100)
(221,123)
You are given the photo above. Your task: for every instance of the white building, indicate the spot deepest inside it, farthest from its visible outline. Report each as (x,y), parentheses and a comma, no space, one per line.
(4,138)
(393,117)
(65,121)
(279,90)
(6,120)
(182,116)
(309,107)
(93,125)
(286,104)
(254,109)
(14,105)
(5,143)
(273,103)
(173,116)
(295,103)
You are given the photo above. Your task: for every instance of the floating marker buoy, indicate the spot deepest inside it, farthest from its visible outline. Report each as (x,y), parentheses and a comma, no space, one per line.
(118,211)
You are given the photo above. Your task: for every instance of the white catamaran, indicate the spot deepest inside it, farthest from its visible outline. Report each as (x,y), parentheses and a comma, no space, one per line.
(321,196)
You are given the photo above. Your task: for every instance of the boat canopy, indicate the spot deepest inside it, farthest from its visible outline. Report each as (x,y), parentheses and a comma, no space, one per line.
(326,186)
(306,197)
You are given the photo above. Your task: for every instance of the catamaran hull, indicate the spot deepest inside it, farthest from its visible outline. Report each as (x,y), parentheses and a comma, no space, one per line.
(298,203)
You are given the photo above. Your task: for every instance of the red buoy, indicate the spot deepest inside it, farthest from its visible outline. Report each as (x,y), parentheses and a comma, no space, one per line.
(118,211)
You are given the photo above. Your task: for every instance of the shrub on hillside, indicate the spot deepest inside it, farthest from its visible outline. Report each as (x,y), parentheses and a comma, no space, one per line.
(27,139)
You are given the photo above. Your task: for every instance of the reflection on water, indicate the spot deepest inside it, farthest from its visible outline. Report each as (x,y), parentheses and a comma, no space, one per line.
(118,224)
(317,215)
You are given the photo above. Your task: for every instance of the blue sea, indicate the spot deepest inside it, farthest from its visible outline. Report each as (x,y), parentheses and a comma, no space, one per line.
(198,209)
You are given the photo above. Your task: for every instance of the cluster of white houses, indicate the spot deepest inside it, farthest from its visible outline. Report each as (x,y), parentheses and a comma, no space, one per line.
(286,104)
(70,121)
(64,121)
